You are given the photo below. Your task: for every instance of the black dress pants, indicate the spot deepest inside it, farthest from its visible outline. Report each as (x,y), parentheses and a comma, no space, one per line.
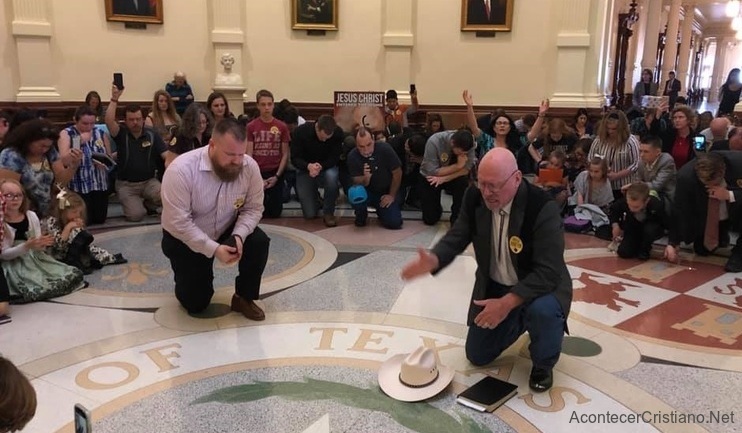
(638,238)
(430,198)
(273,197)
(96,203)
(194,272)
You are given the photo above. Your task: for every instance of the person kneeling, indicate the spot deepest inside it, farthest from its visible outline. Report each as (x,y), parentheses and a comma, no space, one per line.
(377,168)
(212,202)
(522,282)
(639,218)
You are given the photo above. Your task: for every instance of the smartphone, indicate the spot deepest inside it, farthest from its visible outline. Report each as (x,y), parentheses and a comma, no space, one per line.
(699,143)
(231,241)
(83,422)
(412,88)
(118,80)
(76,142)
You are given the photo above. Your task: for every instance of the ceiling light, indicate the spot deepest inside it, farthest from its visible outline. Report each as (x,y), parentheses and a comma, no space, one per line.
(732,8)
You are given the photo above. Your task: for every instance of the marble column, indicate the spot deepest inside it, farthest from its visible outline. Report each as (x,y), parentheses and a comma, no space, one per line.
(582,51)
(228,40)
(32,32)
(636,49)
(717,79)
(398,40)
(685,48)
(633,68)
(653,11)
(671,46)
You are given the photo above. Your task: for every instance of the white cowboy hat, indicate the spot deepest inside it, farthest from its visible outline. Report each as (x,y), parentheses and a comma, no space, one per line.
(415,376)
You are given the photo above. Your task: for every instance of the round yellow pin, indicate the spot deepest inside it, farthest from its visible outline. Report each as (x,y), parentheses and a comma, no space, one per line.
(516,244)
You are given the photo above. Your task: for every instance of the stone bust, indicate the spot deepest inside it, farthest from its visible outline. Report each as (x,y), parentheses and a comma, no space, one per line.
(227,77)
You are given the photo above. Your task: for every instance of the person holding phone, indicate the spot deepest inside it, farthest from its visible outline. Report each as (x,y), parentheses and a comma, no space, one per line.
(91,178)
(141,156)
(678,140)
(396,112)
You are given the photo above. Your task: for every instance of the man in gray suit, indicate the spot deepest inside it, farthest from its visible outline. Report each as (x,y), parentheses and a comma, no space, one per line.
(522,283)
(657,170)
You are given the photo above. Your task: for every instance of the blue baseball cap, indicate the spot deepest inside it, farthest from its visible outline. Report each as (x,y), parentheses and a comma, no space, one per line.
(357,194)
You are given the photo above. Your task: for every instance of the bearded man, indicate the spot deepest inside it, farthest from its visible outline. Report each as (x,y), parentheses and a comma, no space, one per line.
(212,201)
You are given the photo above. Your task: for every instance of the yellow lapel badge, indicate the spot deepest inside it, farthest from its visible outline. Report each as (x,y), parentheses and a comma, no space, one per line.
(516,245)
(239,202)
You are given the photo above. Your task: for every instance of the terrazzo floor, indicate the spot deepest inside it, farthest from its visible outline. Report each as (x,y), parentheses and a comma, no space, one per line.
(646,338)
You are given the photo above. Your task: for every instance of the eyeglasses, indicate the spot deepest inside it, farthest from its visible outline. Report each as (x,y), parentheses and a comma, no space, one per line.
(494,188)
(502,123)
(10,196)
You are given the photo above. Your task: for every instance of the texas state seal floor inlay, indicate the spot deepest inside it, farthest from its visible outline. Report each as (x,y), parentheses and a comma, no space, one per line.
(653,346)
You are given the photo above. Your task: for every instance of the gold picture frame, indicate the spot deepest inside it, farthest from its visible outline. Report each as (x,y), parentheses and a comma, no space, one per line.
(314,14)
(486,15)
(134,11)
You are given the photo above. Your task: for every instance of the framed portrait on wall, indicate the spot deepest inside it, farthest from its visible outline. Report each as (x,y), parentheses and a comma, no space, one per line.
(486,15)
(314,14)
(134,11)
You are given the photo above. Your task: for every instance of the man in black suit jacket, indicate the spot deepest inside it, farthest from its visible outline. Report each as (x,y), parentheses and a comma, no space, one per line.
(672,88)
(734,142)
(522,282)
(711,176)
(132,7)
(486,12)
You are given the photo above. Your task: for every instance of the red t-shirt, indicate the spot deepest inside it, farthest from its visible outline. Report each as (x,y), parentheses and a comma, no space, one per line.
(681,151)
(267,138)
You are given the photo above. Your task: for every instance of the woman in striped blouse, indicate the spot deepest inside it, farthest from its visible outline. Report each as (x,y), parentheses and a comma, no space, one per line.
(91,178)
(619,148)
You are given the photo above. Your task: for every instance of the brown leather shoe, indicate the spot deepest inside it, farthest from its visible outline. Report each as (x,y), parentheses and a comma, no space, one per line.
(248,308)
(330,221)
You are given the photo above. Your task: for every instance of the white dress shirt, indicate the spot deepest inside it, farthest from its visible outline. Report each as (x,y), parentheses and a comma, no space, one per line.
(502,269)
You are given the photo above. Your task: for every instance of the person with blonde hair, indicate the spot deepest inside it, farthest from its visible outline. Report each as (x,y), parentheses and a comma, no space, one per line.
(618,148)
(32,274)
(162,116)
(17,398)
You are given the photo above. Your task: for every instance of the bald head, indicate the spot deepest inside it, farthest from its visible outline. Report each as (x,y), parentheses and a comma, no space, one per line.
(499,160)
(498,178)
(719,127)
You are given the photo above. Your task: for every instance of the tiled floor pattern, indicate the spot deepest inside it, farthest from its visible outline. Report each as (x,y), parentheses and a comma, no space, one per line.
(646,337)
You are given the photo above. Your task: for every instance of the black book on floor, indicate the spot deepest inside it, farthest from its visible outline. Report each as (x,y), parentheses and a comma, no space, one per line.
(5,319)
(488,394)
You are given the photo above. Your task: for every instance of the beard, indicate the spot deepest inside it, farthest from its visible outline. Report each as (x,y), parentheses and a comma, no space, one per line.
(227,173)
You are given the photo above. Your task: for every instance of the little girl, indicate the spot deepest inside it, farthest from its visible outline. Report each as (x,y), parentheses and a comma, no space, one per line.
(72,243)
(32,274)
(593,187)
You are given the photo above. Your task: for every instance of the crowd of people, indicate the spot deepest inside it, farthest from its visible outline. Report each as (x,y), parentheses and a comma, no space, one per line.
(631,177)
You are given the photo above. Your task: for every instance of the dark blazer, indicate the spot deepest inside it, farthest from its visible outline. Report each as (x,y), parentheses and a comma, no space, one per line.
(477,12)
(540,266)
(671,89)
(691,199)
(621,214)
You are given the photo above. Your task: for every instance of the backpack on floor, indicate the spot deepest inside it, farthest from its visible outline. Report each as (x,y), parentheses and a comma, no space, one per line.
(574,225)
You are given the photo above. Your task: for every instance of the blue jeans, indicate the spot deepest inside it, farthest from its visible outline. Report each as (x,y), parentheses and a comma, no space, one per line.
(390,217)
(307,188)
(544,320)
